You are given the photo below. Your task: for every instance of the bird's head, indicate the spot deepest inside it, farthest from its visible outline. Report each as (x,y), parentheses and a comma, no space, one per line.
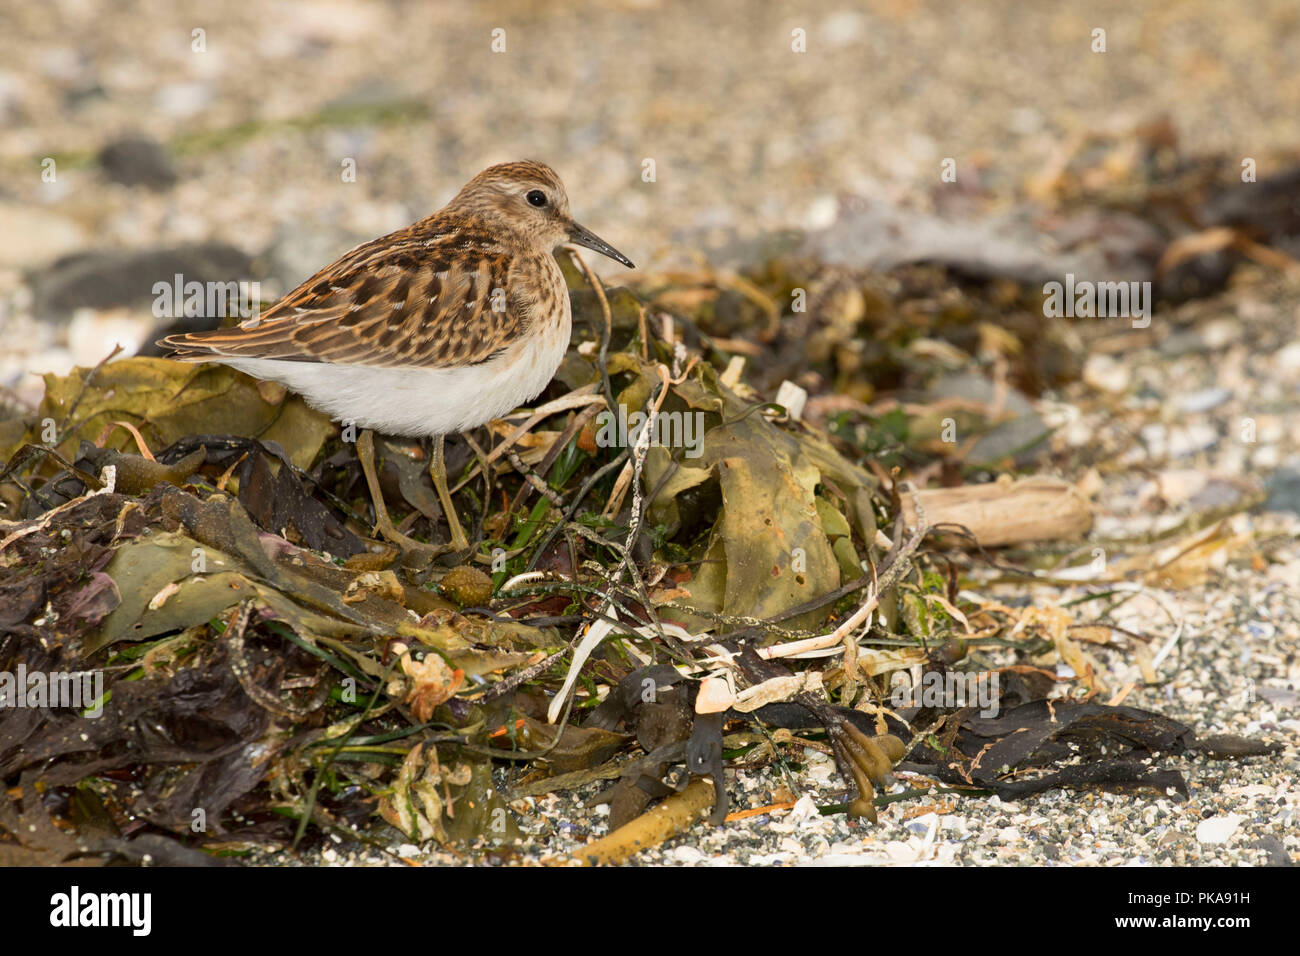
(528,199)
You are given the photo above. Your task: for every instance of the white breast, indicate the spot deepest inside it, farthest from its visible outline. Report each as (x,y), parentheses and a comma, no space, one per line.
(423,402)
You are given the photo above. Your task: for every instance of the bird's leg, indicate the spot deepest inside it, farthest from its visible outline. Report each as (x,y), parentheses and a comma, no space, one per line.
(383,523)
(438,472)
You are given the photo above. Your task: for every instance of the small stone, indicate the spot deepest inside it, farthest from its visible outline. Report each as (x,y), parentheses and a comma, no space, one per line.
(32,235)
(106,278)
(687,854)
(138,161)
(1218,829)
(1105,374)
(1204,400)
(1287,358)
(181,100)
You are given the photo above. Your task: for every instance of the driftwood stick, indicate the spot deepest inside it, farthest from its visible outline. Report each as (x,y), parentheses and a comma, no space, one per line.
(1004,512)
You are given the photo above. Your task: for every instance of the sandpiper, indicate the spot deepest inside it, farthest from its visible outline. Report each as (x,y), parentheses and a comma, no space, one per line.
(436,328)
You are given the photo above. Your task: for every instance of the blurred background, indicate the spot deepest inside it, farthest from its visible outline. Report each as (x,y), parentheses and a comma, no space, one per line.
(216,139)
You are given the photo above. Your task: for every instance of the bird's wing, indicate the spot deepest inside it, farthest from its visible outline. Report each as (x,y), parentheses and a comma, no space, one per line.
(421,298)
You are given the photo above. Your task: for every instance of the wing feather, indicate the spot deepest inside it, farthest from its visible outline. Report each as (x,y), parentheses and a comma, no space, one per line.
(423,297)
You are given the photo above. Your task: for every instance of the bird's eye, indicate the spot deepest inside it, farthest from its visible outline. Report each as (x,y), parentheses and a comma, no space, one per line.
(536,198)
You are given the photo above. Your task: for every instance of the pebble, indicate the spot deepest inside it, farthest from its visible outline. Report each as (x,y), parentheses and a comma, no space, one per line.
(33,235)
(138,161)
(1218,829)
(1203,400)
(1105,373)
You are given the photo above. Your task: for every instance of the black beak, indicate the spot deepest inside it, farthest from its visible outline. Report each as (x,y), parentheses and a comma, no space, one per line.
(582,236)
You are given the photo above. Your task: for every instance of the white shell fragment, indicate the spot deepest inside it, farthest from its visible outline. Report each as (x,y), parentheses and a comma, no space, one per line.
(714,697)
(793,398)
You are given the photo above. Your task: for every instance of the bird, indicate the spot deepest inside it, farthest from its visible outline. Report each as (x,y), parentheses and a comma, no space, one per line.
(433,329)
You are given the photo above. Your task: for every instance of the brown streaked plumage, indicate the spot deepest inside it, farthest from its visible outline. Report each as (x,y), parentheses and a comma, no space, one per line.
(422,297)
(438,327)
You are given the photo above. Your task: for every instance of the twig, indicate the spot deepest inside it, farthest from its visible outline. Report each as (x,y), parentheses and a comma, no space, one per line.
(534,480)
(607,333)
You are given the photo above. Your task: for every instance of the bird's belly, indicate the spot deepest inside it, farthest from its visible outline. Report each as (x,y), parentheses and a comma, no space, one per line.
(417,402)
